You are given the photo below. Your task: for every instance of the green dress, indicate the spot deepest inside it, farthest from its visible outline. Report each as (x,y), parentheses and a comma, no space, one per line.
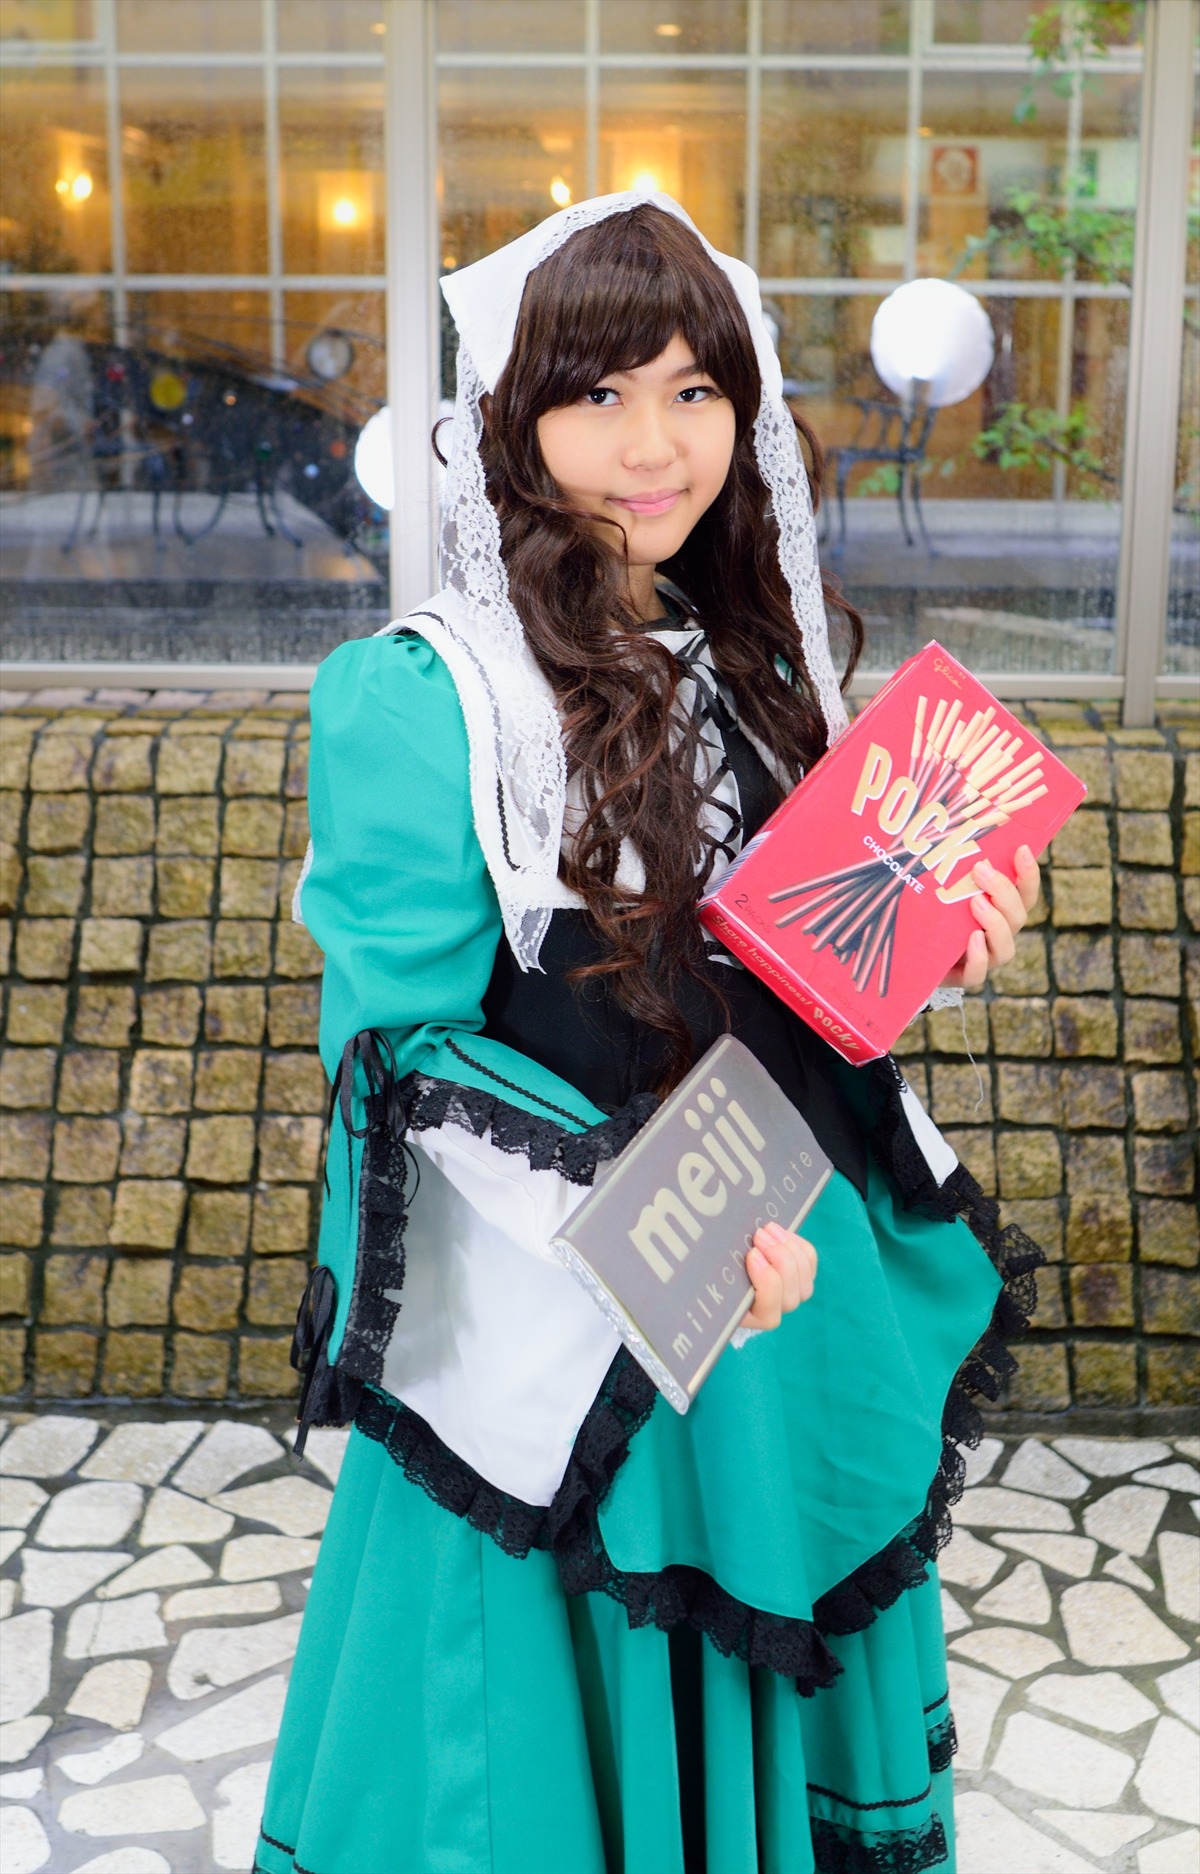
(717,1644)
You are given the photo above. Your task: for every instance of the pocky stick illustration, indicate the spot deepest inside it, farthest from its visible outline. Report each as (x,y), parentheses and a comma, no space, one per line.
(962,780)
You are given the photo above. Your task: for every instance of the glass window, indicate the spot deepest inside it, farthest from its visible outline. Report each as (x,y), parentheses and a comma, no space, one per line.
(230,324)
(673,26)
(198,445)
(55,208)
(196,26)
(833,168)
(220,494)
(976,555)
(1104,177)
(512,150)
(1009,22)
(510,26)
(195,176)
(685,133)
(48,406)
(329,25)
(177,466)
(980,160)
(981,22)
(835,25)
(331,146)
(337,340)
(47,22)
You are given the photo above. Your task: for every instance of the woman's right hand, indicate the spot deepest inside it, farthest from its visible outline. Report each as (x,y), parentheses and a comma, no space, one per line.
(783,1269)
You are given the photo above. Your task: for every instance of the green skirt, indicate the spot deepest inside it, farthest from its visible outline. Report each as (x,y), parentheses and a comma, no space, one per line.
(453,1711)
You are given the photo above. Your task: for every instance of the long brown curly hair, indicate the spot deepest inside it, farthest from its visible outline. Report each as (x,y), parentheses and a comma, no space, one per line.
(611,299)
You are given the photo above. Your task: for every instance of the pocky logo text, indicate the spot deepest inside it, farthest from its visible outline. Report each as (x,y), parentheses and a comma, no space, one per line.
(962,779)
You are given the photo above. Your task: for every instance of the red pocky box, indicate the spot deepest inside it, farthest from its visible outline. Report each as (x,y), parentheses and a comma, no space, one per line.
(851,902)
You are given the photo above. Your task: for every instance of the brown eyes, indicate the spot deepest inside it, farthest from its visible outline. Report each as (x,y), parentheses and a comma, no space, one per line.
(692,394)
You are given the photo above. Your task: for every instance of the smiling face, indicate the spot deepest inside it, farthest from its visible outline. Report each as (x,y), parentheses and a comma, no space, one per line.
(649,448)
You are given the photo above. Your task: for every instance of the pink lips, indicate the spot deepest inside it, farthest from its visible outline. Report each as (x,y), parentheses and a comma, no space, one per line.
(659,502)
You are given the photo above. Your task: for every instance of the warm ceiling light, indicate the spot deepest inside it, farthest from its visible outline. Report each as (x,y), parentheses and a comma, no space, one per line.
(560,192)
(668,30)
(344,213)
(81,188)
(61,186)
(646,181)
(377,26)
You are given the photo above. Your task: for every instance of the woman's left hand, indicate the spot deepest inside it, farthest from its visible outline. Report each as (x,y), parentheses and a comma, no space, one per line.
(1002,908)
(783,1267)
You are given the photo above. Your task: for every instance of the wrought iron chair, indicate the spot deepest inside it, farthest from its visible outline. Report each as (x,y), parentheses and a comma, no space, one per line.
(900,438)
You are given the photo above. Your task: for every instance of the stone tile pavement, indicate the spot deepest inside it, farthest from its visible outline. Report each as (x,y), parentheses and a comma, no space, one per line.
(154,1575)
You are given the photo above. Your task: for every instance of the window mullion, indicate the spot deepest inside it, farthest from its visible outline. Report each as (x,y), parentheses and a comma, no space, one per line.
(410,117)
(1155,354)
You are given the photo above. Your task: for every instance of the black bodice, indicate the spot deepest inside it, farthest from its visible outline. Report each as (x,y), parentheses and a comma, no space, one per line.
(581,1032)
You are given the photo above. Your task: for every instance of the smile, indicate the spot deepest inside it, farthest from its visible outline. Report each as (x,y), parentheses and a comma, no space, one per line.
(660,503)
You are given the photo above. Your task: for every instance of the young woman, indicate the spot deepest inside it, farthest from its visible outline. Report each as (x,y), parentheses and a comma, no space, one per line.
(555,1627)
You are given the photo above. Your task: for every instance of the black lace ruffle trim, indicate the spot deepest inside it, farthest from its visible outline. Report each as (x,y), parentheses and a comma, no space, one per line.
(835,1850)
(545,1143)
(942,1742)
(839,1850)
(877,1583)
(570,1527)
(838,1846)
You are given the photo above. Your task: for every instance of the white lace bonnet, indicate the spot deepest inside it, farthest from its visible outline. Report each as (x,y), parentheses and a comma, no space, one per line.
(518,766)
(524,770)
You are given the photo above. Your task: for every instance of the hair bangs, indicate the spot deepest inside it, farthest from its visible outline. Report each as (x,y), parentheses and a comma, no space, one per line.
(614,296)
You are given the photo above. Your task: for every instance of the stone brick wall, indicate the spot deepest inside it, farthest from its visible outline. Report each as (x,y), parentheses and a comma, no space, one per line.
(161,1102)
(1085,1121)
(161,1095)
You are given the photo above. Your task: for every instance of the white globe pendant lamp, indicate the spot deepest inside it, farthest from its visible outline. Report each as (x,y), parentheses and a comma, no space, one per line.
(932,342)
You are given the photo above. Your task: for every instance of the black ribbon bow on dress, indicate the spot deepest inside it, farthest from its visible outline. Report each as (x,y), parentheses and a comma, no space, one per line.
(328,1396)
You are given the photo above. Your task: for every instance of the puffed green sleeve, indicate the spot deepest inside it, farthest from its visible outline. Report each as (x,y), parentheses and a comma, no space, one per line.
(398,895)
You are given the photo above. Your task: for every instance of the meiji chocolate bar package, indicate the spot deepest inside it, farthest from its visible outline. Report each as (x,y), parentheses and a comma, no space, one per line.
(852,901)
(660,1242)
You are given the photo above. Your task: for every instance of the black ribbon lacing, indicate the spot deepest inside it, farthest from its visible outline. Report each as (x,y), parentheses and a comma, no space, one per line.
(714,705)
(327,1394)
(374,1050)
